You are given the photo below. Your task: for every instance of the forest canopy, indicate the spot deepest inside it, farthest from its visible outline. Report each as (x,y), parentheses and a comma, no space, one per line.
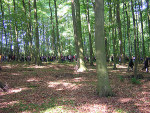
(52,25)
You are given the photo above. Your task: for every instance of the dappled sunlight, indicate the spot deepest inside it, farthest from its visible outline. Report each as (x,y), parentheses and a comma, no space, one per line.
(7,66)
(56,109)
(46,66)
(15,74)
(33,80)
(121,66)
(115,71)
(125,100)
(78,79)
(6,104)
(92,69)
(60,85)
(17,90)
(36,66)
(93,108)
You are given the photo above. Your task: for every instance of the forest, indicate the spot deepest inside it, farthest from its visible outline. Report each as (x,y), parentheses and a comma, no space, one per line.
(74,56)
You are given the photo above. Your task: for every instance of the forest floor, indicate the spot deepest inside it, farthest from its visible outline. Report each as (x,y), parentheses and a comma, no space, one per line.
(57,88)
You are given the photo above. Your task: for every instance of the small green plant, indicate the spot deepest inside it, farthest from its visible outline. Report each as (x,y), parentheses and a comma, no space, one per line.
(121,78)
(135,81)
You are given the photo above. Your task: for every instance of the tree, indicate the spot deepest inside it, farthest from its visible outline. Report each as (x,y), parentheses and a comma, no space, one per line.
(119,29)
(37,52)
(78,34)
(53,30)
(89,30)
(141,18)
(16,33)
(57,32)
(135,40)
(114,37)
(75,27)
(103,86)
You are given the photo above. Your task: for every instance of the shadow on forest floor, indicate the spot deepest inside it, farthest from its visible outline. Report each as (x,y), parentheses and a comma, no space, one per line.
(57,88)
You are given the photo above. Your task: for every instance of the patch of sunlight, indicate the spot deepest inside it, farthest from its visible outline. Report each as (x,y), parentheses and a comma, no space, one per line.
(15,74)
(26,112)
(124,72)
(17,90)
(33,80)
(60,85)
(57,109)
(7,66)
(91,69)
(121,66)
(115,71)
(6,104)
(94,108)
(79,79)
(125,100)
(145,93)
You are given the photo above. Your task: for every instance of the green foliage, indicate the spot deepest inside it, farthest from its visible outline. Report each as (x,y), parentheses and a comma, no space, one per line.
(121,78)
(135,81)
(50,105)
(120,111)
(31,106)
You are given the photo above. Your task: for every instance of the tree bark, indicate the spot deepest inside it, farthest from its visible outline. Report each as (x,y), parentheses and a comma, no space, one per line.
(119,30)
(16,35)
(80,41)
(114,37)
(53,31)
(103,86)
(89,30)
(141,19)
(57,32)
(135,41)
(128,30)
(37,53)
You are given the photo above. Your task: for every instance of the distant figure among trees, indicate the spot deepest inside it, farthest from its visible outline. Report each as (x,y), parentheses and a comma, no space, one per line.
(131,64)
(146,65)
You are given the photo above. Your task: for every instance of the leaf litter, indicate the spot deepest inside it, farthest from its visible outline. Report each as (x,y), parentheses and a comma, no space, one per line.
(56,88)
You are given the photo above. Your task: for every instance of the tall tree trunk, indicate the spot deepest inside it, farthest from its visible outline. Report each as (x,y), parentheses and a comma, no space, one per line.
(80,41)
(16,34)
(103,86)
(57,32)
(137,35)
(53,31)
(75,27)
(110,28)
(148,16)
(135,41)
(119,30)
(3,22)
(9,32)
(124,34)
(128,30)
(30,32)
(141,19)
(37,52)
(114,37)
(1,50)
(89,30)
(26,29)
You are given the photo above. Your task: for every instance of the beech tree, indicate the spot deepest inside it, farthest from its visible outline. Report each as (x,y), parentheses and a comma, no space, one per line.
(61,32)
(103,86)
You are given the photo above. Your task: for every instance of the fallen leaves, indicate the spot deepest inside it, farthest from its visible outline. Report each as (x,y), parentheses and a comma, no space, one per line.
(56,88)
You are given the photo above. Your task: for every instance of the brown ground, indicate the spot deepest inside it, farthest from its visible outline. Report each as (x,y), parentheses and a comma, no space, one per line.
(55,88)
